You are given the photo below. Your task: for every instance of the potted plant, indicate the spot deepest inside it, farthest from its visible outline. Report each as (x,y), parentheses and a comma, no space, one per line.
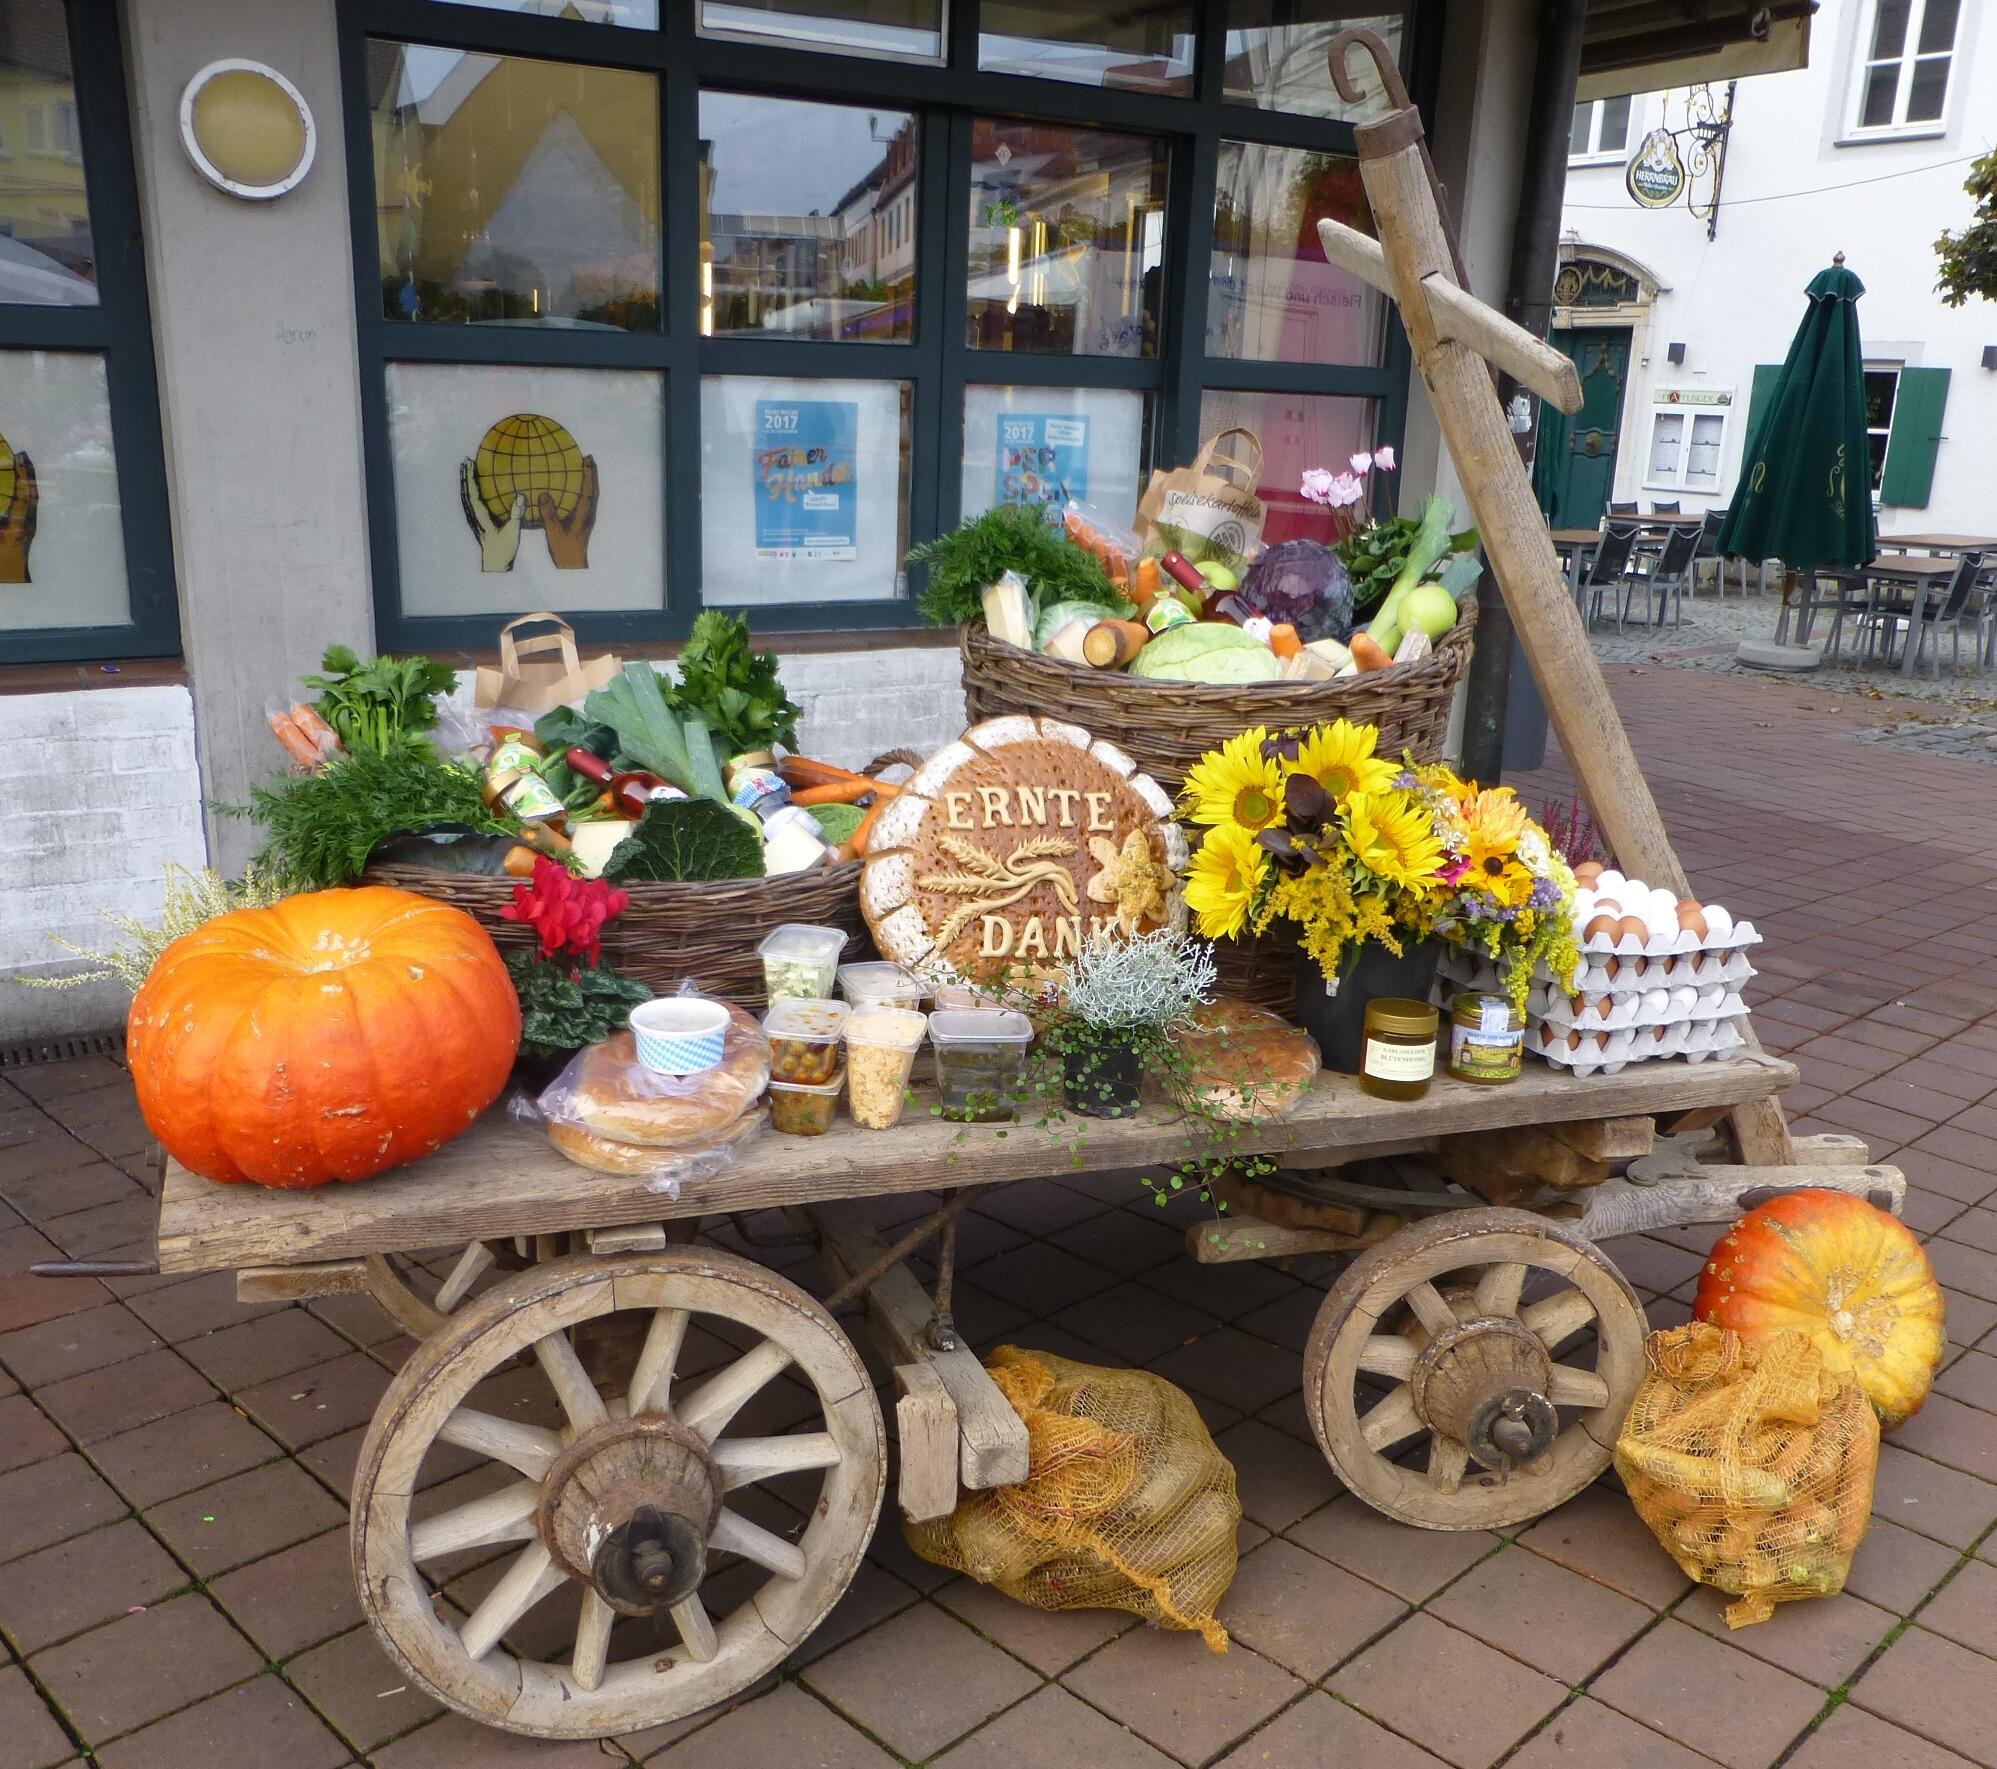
(568,996)
(1124,997)
(1375,862)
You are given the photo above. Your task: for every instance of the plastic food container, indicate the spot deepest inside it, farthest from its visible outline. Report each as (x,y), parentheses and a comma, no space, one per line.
(798,1109)
(800,961)
(980,1060)
(804,1040)
(676,1037)
(880,985)
(881,1043)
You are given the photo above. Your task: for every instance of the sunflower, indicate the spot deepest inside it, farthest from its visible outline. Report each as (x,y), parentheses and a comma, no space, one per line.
(1393,838)
(1493,822)
(1340,758)
(1221,881)
(1236,786)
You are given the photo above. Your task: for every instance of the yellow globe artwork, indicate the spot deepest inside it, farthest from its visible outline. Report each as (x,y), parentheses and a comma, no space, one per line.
(6,472)
(530,454)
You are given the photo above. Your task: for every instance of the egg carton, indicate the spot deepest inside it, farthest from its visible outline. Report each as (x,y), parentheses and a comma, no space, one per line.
(1652,923)
(1612,976)
(1654,1007)
(1608,1053)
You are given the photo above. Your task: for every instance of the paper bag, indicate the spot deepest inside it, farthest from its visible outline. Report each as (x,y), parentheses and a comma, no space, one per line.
(1208,510)
(541,671)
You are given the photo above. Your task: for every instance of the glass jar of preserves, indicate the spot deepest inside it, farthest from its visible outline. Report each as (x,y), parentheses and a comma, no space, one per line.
(1399,1057)
(1486,1039)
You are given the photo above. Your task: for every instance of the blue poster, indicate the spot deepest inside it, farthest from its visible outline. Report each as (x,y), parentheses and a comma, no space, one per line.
(806,455)
(1043,460)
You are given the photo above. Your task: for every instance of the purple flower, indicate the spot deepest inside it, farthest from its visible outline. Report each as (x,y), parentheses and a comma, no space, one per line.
(1545,894)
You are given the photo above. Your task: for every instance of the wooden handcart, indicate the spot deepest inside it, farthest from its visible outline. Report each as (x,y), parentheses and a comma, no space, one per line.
(684,1452)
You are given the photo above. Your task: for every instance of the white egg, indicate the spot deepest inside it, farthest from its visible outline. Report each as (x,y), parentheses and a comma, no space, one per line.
(1683,999)
(1719,922)
(1653,1003)
(1606,885)
(1661,900)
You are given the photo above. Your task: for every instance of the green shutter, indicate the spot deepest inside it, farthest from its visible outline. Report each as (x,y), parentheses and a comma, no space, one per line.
(1909,474)
(1765,376)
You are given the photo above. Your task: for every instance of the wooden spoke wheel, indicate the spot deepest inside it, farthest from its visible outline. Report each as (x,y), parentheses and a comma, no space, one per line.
(632,1499)
(1437,1315)
(418,1301)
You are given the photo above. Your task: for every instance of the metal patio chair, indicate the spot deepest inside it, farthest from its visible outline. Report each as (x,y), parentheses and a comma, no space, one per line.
(1608,570)
(1662,580)
(1888,614)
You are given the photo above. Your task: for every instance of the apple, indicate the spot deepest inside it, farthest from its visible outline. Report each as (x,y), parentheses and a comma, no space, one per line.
(1219,576)
(1428,608)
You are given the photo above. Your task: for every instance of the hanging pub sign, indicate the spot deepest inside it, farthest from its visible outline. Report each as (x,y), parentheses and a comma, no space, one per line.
(1011,846)
(1656,174)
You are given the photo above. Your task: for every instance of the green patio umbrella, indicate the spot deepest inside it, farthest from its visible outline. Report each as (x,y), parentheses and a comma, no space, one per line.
(1804,495)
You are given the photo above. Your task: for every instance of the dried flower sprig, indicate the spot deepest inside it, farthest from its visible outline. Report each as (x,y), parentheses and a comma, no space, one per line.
(192,899)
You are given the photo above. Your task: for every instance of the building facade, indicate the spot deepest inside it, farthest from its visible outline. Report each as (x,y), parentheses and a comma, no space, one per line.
(1675,315)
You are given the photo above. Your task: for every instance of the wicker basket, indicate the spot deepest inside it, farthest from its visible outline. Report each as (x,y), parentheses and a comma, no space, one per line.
(669,932)
(1165,727)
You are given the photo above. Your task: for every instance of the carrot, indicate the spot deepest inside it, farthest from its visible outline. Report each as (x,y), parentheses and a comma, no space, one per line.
(519,861)
(315,730)
(865,833)
(1368,653)
(297,745)
(1283,639)
(843,792)
(1148,584)
(802,771)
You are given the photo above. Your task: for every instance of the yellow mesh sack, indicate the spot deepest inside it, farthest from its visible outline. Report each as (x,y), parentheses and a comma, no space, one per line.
(1751,1462)
(1127,1503)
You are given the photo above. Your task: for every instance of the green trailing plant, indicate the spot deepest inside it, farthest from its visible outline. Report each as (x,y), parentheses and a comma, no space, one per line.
(687,840)
(320,829)
(733,687)
(386,703)
(1007,537)
(193,898)
(1969,259)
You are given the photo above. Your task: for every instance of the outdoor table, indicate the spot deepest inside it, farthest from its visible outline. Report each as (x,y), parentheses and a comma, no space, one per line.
(1918,576)
(1940,543)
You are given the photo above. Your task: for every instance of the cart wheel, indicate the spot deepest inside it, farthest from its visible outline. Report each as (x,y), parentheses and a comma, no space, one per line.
(1511,1433)
(627,1500)
(417,1302)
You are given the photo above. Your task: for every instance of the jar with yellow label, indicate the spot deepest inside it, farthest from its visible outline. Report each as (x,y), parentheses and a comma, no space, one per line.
(1486,1039)
(1399,1057)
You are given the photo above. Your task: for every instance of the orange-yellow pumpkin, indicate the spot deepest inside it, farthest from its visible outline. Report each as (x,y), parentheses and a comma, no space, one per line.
(1846,1273)
(330,1036)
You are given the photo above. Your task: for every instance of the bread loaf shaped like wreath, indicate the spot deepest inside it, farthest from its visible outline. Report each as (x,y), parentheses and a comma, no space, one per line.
(331,1036)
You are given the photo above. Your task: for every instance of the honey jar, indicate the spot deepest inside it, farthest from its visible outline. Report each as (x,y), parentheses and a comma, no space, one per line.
(1398,1061)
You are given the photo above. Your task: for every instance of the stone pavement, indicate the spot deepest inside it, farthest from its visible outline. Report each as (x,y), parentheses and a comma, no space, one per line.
(174,1589)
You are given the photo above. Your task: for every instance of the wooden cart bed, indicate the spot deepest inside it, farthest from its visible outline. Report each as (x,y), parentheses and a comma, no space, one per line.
(502,1178)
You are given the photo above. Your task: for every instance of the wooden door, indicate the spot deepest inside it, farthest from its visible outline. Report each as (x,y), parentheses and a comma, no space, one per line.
(1577,484)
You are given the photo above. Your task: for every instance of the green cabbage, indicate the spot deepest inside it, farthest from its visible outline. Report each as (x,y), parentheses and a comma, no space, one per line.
(679,840)
(1057,615)
(1206,651)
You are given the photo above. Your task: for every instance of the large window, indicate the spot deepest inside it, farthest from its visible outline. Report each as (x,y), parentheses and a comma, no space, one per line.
(84,558)
(730,302)
(1909,47)
(1600,130)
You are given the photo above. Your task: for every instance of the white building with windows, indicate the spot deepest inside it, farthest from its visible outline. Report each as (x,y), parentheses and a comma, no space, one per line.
(1862,152)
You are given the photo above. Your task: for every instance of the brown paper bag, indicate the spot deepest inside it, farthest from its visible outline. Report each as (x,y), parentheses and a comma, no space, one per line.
(1208,510)
(542,671)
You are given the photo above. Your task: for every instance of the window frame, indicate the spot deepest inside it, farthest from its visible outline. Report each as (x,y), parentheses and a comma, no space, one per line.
(939,363)
(1884,431)
(1863,62)
(118,328)
(1679,481)
(1594,154)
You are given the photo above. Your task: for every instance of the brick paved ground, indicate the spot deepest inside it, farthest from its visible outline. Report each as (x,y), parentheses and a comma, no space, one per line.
(173,1583)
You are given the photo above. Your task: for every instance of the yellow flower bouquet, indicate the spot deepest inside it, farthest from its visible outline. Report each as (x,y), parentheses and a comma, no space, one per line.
(1315,828)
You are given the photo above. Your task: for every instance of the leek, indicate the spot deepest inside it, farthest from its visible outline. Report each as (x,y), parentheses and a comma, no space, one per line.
(1431,542)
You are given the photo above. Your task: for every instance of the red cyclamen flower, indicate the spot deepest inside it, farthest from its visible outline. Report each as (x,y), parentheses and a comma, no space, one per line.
(566,913)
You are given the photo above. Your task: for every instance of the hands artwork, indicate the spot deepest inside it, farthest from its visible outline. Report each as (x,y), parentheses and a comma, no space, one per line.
(18,518)
(499,536)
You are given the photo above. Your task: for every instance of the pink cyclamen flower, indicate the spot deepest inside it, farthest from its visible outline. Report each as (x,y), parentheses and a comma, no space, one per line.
(1344,490)
(1383,457)
(1362,463)
(1316,485)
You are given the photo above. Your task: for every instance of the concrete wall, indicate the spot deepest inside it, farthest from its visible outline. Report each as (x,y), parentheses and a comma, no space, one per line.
(1799,187)
(98,791)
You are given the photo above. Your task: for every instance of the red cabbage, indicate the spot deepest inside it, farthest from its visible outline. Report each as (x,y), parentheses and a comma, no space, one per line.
(1305,584)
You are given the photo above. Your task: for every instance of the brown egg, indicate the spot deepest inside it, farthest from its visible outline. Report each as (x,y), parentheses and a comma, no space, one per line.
(1658,1032)
(1613,969)
(1608,906)
(1633,927)
(1692,920)
(1685,903)
(1637,966)
(1588,871)
(1573,1040)
(1601,1005)
(1602,1039)
(1603,927)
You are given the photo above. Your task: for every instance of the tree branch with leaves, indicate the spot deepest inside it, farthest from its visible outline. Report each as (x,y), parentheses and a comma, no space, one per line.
(1969,258)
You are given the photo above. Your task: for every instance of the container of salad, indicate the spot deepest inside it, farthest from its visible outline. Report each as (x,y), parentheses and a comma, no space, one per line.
(800,961)
(881,985)
(881,1043)
(980,1061)
(804,1040)
(800,1109)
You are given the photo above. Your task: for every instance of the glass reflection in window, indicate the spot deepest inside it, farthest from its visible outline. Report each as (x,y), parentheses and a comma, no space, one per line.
(1048,446)
(62,531)
(906,29)
(642,15)
(513,190)
(807,220)
(1141,45)
(1067,239)
(1274,296)
(46,252)
(1276,61)
(1297,431)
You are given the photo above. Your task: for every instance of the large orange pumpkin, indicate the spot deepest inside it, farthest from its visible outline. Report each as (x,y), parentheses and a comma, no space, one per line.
(1846,1273)
(330,1036)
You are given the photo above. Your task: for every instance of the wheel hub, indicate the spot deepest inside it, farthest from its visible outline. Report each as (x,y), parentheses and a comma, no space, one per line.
(1483,1382)
(628,1507)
